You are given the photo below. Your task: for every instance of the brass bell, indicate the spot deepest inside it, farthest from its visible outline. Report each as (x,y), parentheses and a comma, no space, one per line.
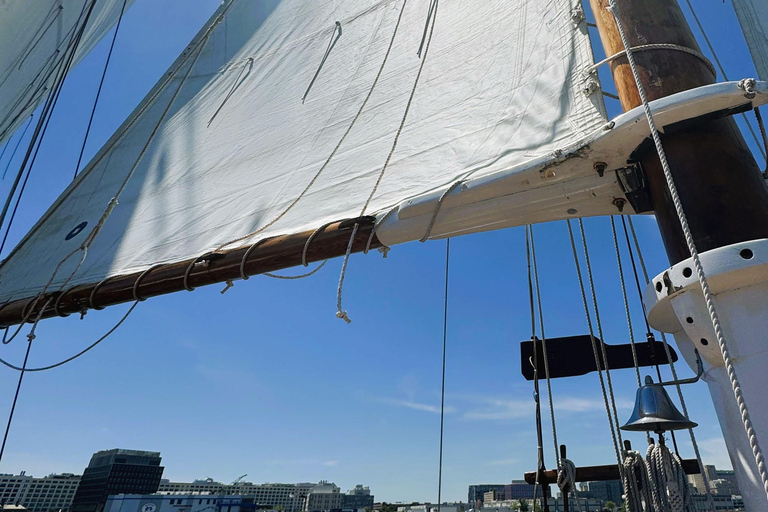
(654,411)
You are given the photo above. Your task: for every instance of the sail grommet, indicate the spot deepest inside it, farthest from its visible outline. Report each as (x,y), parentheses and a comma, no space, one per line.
(139,279)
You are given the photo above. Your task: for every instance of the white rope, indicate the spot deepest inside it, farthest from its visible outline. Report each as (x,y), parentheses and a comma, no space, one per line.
(335,149)
(566,479)
(654,46)
(667,351)
(302,276)
(341,313)
(637,488)
(668,479)
(735,385)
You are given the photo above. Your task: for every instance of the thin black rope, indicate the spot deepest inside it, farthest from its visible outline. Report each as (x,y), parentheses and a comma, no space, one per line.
(42,126)
(16,148)
(101,84)
(15,399)
(86,349)
(442,388)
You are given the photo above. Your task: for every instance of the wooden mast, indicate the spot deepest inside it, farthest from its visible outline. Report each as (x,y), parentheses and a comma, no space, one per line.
(719,182)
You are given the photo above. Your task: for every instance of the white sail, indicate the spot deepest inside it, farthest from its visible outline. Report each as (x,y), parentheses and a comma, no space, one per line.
(247,116)
(33,37)
(753,17)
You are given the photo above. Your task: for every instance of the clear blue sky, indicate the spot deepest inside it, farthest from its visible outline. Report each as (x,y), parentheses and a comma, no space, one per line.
(266,381)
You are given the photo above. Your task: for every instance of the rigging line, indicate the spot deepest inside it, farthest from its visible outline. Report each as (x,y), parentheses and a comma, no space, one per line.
(407,110)
(725,75)
(336,149)
(442,386)
(335,36)
(9,70)
(544,346)
(540,465)
(669,358)
(761,125)
(30,339)
(42,123)
(593,292)
(341,313)
(101,84)
(88,348)
(18,143)
(708,299)
(649,334)
(594,343)
(626,302)
(302,276)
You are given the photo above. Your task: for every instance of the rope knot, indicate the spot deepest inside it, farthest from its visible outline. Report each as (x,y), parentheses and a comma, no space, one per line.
(748,86)
(343,315)
(31,337)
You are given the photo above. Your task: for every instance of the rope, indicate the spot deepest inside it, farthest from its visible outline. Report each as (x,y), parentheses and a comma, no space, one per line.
(302,276)
(442,386)
(668,479)
(18,143)
(43,121)
(540,466)
(721,342)
(331,44)
(655,46)
(637,488)
(341,313)
(544,344)
(566,479)
(338,145)
(30,338)
(667,351)
(89,347)
(249,62)
(593,292)
(626,304)
(101,84)
(594,344)
(725,76)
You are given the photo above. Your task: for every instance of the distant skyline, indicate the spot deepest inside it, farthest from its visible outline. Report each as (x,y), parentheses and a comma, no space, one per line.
(265,380)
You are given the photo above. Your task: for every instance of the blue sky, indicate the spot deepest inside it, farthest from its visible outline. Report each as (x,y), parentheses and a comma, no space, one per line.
(266,381)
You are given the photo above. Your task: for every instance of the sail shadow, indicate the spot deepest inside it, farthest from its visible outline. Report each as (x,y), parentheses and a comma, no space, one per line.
(331,44)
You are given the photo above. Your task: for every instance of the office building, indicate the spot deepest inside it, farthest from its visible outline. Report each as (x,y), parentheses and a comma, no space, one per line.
(608,490)
(179,503)
(358,498)
(290,497)
(476,493)
(722,481)
(116,471)
(323,497)
(53,492)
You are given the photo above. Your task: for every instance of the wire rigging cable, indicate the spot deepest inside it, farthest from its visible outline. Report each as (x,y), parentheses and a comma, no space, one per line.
(16,147)
(442,385)
(98,91)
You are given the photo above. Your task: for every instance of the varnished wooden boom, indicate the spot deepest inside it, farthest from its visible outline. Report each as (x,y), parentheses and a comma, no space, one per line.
(274,254)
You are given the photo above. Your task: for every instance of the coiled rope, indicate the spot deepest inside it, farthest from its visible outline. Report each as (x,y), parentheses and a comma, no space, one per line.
(721,342)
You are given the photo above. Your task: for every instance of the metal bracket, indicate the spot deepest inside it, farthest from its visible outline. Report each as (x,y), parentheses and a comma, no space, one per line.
(635,187)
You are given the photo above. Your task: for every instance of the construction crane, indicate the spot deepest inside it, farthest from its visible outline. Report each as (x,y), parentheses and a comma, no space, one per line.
(238,480)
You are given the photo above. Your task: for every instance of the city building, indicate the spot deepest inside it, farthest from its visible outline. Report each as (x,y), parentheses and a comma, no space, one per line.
(476,493)
(113,472)
(722,481)
(722,503)
(322,497)
(583,504)
(207,486)
(608,490)
(358,498)
(520,489)
(53,492)
(180,503)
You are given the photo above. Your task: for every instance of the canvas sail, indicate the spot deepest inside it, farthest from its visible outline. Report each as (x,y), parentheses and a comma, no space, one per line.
(33,37)
(753,17)
(231,141)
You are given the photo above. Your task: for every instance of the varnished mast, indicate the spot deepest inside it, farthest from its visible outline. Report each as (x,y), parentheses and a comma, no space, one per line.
(719,182)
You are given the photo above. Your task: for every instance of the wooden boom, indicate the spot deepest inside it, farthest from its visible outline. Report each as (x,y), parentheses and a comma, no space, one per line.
(274,254)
